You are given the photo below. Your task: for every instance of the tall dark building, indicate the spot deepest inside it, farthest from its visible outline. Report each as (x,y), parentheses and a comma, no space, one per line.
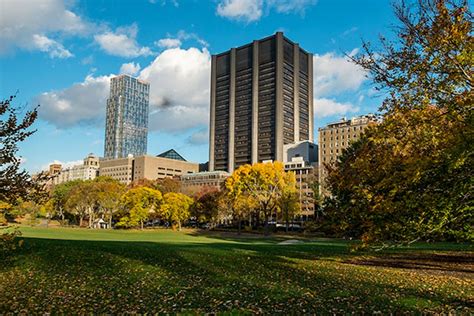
(261,100)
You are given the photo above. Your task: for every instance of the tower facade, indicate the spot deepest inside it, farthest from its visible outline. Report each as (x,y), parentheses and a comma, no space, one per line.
(126,127)
(261,100)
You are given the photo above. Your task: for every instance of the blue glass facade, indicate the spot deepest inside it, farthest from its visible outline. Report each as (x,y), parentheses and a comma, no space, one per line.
(126,127)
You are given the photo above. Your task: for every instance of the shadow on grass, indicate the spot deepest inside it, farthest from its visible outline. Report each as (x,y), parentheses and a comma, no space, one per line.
(115,276)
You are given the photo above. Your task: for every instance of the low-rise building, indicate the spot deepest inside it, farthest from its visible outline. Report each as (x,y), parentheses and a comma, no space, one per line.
(336,137)
(166,165)
(87,171)
(305,173)
(212,179)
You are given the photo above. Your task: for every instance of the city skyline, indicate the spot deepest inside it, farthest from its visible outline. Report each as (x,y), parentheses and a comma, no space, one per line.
(75,64)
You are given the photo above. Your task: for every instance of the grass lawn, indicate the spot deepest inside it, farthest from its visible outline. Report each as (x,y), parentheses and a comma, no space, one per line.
(66,270)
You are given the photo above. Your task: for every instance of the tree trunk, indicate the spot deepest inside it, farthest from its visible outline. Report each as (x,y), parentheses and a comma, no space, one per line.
(110,220)
(90,219)
(141,224)
(240,226)
(179,225)
(80,220)
(287,221)
(267,232)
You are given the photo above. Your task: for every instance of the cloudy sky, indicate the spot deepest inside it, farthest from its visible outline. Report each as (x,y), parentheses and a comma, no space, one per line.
(61,54)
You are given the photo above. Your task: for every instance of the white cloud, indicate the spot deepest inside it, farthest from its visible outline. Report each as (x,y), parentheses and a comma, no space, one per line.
(122,42)
(131,69)
(252,10)
(179,88)
(53,48)
(179,94)
(327,107)
(290,6)
(80,103)
(246,10)
(336,74)
(30,25)
(168,42)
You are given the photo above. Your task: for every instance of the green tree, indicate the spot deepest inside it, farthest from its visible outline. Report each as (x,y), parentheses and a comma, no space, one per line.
(140,203)
(176,207)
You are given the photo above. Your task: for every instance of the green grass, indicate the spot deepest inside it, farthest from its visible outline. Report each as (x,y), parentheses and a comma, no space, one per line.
(65,270)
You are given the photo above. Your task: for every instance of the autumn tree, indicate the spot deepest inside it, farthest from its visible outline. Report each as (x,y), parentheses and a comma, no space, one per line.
(78,201)
(167,185)
(59,197)
(410,177)
(206,205)
(289,205)
(176,207)
(263,182)
(109,194)
(14,129)
(140,204)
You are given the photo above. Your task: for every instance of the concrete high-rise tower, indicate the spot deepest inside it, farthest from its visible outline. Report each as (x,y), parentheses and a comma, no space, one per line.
(126,127)
(261,100)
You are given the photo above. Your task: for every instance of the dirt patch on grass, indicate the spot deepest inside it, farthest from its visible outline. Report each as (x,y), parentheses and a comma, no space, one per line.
(458,264)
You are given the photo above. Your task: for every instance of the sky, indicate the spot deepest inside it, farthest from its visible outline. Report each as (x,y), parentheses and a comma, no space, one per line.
(61,54)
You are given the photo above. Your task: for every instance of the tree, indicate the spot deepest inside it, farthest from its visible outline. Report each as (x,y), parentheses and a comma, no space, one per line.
(78,201)
(176,207)
(60,195)
(206,205)
(167,185)
(264,182)
(410,177)
(289,201)
(140,203)
(109,194)
(13,130)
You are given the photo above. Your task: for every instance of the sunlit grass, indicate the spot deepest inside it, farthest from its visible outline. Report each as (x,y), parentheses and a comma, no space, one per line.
(62,270)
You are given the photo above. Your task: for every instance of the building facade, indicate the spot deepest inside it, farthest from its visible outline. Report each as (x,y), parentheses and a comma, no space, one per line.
(261,99)
(196,181)
(127,170)
(126,127)
(89,170)
(336,137)
(305,173)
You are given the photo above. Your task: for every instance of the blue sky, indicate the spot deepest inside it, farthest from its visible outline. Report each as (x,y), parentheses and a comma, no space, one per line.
(62,53)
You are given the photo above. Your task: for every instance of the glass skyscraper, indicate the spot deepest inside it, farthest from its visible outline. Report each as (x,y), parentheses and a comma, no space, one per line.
(126,127)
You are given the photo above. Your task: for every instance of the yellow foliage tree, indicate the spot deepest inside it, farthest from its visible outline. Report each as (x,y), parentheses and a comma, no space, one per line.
(263,182)
(176,207)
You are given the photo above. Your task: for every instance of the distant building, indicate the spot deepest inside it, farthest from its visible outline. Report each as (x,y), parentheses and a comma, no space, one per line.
(261,100)
(126,127)
(87,171)
(212,179)
(335,137)
(305,149)
(120,169)
(162,166)
(305,173)
(54,169)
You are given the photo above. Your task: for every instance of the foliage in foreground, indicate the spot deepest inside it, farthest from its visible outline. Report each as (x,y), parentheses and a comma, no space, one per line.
(410,178)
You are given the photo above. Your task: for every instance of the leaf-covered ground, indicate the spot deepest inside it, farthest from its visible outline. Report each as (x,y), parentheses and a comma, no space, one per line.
(73,271)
